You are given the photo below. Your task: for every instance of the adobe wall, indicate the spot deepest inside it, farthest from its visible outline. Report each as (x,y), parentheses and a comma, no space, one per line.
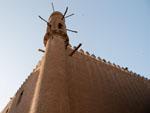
(100,87)
(7,107)
(21,102)
(92,86)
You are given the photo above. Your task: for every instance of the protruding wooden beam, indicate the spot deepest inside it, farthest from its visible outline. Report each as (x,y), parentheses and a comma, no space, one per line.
(69,15)
(65,13)
(72,53)
(41,50)
(45,21)
(72,31)
(53,7)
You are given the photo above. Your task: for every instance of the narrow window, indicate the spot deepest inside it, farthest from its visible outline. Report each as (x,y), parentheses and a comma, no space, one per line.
(20,97)
(60,26)
(7,110)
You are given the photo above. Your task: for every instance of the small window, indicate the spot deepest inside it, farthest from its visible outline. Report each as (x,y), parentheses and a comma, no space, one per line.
(7,110)
(20,97)
(60,26)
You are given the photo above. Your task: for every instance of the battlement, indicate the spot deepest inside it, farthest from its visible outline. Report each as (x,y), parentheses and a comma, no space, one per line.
(96,78)
(102,60)
(90,57)
(37,68)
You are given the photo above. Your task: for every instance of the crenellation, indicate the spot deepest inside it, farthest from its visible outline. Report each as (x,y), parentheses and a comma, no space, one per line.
(122,68)
(99,58)
(118,66)
(39,63)
(125,69)
(34,70)
(134,73)
(82,51)
(104,60)
(138,75)
(69,45)
(108,62)
(74,47)
(131,72)
(87,53)
(93,56)
(114,65)
(25,81)
(146,79)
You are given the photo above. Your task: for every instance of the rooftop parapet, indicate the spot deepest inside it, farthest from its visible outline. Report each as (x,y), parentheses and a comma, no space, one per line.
(99,59)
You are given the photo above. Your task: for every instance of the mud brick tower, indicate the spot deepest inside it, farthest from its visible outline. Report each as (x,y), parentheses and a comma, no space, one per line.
(81,83)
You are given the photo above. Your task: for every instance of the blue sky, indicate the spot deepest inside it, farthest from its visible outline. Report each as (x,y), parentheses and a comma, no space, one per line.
(117,30)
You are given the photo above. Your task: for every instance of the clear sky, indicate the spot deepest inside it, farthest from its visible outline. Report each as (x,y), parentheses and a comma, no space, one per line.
(117,30)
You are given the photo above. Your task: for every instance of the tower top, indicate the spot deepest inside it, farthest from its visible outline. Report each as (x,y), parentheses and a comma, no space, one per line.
(56,13)
(56,25)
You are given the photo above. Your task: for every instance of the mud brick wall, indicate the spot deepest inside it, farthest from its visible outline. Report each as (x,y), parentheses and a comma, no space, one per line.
(93,86)
(22,100)
(99,87)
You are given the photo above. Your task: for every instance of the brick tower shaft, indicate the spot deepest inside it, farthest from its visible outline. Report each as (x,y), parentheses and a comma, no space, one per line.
(51,95)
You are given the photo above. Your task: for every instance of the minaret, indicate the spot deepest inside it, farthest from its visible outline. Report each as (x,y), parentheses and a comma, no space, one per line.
(51,95)
(56,26)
